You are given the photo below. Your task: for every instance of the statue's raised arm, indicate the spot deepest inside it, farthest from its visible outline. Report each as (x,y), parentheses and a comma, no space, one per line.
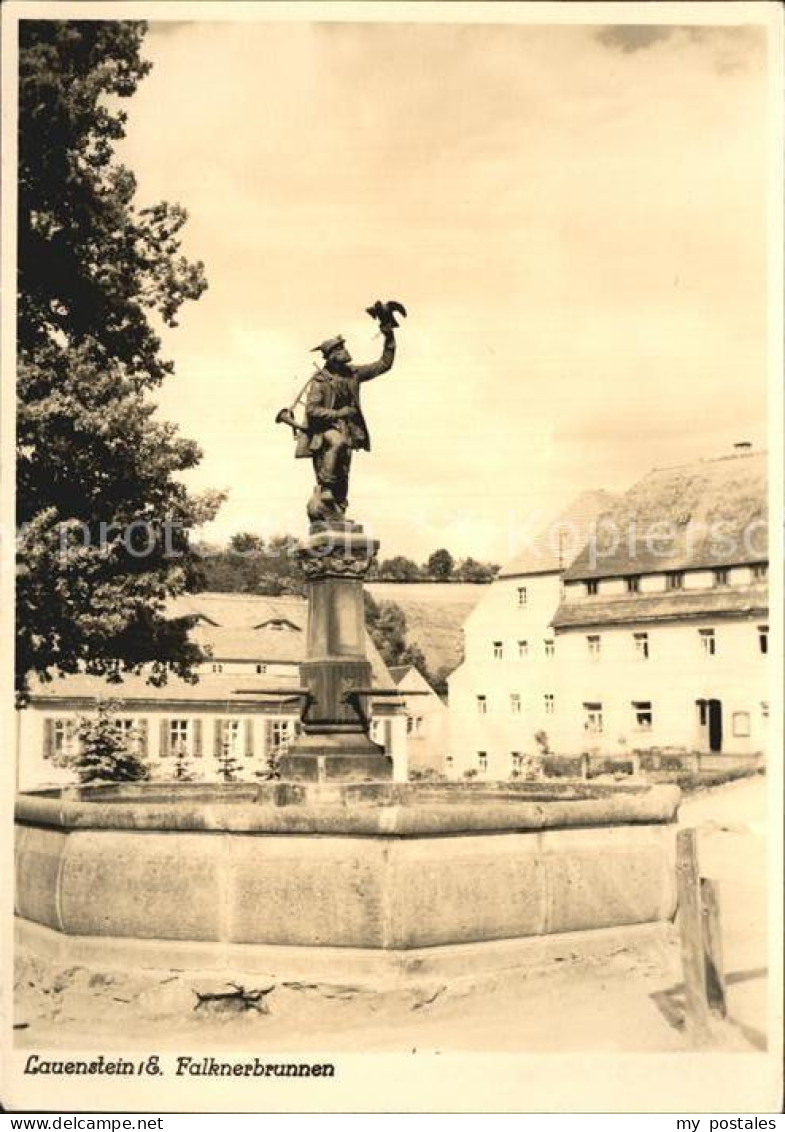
(334,425)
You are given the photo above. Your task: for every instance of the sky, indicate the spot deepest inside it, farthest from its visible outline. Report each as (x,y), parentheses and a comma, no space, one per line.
(574,217)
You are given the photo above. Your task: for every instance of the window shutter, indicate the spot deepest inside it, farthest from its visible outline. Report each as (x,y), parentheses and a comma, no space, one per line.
(49,737)
(165,749)
(219,738)
(249,738)
(141,728)
(197,738)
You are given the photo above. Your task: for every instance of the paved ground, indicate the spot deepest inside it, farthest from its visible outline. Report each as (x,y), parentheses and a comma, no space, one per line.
(630,1000)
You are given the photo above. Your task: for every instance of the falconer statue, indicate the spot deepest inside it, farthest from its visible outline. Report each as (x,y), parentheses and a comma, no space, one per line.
(334,426)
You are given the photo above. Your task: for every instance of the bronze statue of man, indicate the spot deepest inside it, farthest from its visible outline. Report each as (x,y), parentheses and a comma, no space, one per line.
(334,425)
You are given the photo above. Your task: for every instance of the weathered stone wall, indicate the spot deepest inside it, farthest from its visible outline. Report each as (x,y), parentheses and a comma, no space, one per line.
(385,877)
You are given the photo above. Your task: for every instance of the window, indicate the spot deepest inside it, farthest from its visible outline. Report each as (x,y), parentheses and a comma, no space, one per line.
(498,650)
(261,669)
(550,647)
(517,760)
(633,584)
(674,580)
(515,703)
(593,642)
(181,737)
(60,738)
(482,760)
(592,718)
(721,576)
(550,703)
(642,714)
(760,572)
(280,733)
(134,734)
(448,762)
(592,587)
(741,724)
(415,725)
(228,738)
(763,638)
(641,645)
(708,641)
(523,596)
(218,668)
(764,709)
(482,705)
(279,624)
(523,649)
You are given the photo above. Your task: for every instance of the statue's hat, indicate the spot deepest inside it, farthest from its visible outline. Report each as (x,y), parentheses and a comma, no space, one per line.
(329,345)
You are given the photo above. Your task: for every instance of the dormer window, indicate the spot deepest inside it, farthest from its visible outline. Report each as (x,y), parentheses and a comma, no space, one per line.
(280,624)
(202,619)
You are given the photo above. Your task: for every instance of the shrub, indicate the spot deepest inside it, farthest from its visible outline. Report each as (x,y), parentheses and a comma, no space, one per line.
(564,766)
(104,754)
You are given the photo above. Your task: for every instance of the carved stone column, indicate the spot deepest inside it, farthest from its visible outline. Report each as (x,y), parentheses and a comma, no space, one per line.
(335,744)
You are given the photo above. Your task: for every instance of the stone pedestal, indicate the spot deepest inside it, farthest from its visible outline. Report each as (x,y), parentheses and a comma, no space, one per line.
(335,743)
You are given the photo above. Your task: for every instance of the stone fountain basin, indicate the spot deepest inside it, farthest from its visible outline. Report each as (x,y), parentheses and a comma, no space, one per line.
(385,868)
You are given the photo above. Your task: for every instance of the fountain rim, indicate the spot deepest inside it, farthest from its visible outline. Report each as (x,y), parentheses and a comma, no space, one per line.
(354,809)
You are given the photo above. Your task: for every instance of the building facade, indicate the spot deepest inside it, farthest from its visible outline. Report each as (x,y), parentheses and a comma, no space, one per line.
(654,636)
(426,722)
(502,698)
(238,713)
(663,631)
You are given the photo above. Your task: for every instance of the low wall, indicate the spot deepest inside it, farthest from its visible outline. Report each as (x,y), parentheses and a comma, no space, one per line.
(390,876)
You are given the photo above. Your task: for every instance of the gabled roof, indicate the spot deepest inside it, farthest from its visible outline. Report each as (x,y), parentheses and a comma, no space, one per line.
(409,679)
(695,516)
(557,542)
(225,626)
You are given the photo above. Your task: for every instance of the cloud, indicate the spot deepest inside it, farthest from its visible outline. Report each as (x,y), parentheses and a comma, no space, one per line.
(633,37)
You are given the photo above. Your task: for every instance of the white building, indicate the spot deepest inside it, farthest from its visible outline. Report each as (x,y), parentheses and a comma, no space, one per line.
(662,634)
(654,636)
(239,704)
(426,721)
(504,693)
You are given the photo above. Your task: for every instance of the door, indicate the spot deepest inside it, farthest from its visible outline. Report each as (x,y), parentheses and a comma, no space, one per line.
(709,725)
(715,725)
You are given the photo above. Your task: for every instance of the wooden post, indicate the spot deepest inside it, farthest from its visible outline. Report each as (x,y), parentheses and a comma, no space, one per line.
(696,1004)
(712,947)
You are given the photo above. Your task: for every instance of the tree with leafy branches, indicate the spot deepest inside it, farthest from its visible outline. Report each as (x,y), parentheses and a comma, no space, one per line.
(440,565)
(104,752)
(229,766)
(103,515)
(182,764)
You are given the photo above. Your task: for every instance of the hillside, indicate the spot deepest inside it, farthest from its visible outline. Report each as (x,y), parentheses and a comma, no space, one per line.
(435,613)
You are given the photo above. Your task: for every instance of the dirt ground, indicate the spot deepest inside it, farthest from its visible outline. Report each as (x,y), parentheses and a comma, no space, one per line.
(630,1000)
